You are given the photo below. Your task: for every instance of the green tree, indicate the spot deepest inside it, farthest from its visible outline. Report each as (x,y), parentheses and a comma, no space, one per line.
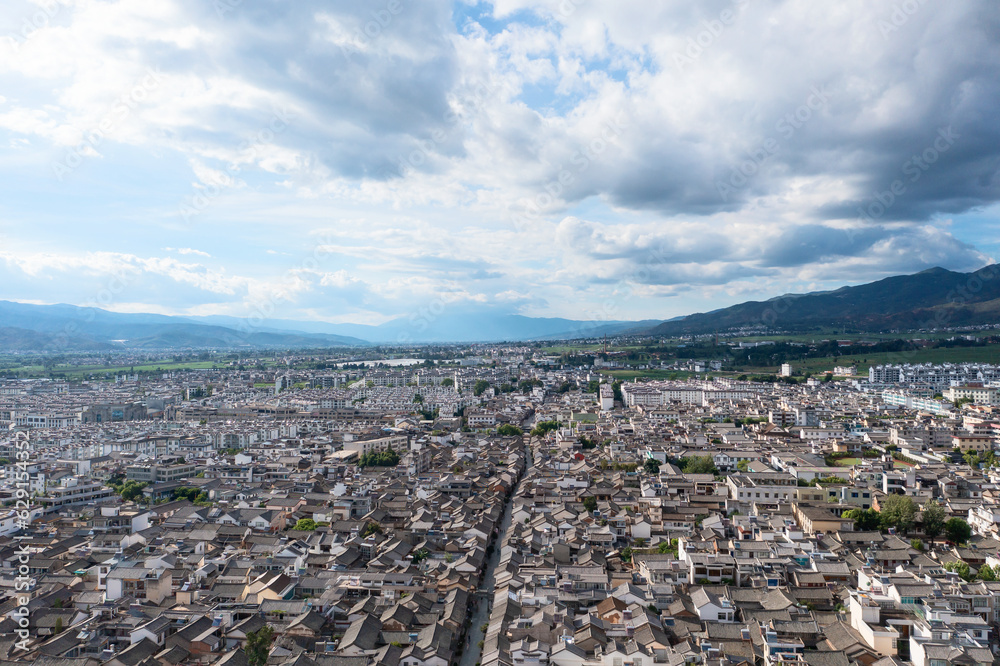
(665,547)
(258,645)
(699,465)
(961,568)
(508,430)
(420,556)
(865,520)
(480,387)
(132,490)
(371,528)
(651,465)
(987,573)
(957,530)
(627,554)
(543,428)
(447,381)
(59,626)
(933,518)
(743,466)
(387,458)
(590,503)
(898,511)
(305,525)
(418,399)
(972,459)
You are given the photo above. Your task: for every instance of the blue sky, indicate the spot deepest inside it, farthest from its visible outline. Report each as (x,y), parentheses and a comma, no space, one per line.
(571,158)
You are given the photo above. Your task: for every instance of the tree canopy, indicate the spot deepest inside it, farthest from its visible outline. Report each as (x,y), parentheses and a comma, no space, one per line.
(898,511)
(387,458)
(699,465)
(957,530)
(305,525)
(933,519)
(258,645)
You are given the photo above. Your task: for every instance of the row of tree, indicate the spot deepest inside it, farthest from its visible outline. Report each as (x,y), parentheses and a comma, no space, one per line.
(900,512)
(387,458)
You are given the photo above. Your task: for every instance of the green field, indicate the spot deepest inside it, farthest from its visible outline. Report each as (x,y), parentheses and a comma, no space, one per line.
(987,354)
(846,462)
(81,371)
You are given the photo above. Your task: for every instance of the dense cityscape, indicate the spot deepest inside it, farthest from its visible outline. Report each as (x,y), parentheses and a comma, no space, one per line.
(499,333)
(507,505)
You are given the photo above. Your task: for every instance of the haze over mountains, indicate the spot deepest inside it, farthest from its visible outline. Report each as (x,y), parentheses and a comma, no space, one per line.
(30,327)
(931,298)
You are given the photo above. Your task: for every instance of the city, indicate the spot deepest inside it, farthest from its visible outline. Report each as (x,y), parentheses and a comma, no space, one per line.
(499,333)
(509,505)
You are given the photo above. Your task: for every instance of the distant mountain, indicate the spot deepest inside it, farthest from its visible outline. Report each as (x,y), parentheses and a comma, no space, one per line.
(930,299)
(71,328)
(25,340)
(67,327)
(456,326)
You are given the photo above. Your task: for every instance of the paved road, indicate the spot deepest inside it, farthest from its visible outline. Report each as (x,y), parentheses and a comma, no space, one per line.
(485,598)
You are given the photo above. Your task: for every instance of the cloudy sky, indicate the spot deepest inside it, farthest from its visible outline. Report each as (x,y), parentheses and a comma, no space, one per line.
(353,160)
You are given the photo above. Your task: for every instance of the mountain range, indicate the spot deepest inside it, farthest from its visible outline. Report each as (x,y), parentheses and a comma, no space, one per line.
(934,298)
(30,327)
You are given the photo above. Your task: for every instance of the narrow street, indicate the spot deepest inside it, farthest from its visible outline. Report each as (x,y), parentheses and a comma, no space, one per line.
(484,597)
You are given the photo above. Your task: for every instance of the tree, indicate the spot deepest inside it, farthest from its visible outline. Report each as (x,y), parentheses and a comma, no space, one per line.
(371,528)
(387,458)
(865,520)
(651,465)
(987,573)
(420,556)
(480,387)
(543,428)
(590,503)
(305,525)
(961,568)
(933,519)
(743,465)
(508,430)
(417,398)
(972,459)
(665,547)
(957,530)
(627,554)
(447,381)
(699,465)
(59,625)
(259,645)
(898,511)
(132,490)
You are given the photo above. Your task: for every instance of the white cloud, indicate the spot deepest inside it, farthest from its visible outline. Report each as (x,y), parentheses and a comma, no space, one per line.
(538,165)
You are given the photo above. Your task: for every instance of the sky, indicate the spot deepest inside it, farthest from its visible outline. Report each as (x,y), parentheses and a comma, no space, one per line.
(358,161)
